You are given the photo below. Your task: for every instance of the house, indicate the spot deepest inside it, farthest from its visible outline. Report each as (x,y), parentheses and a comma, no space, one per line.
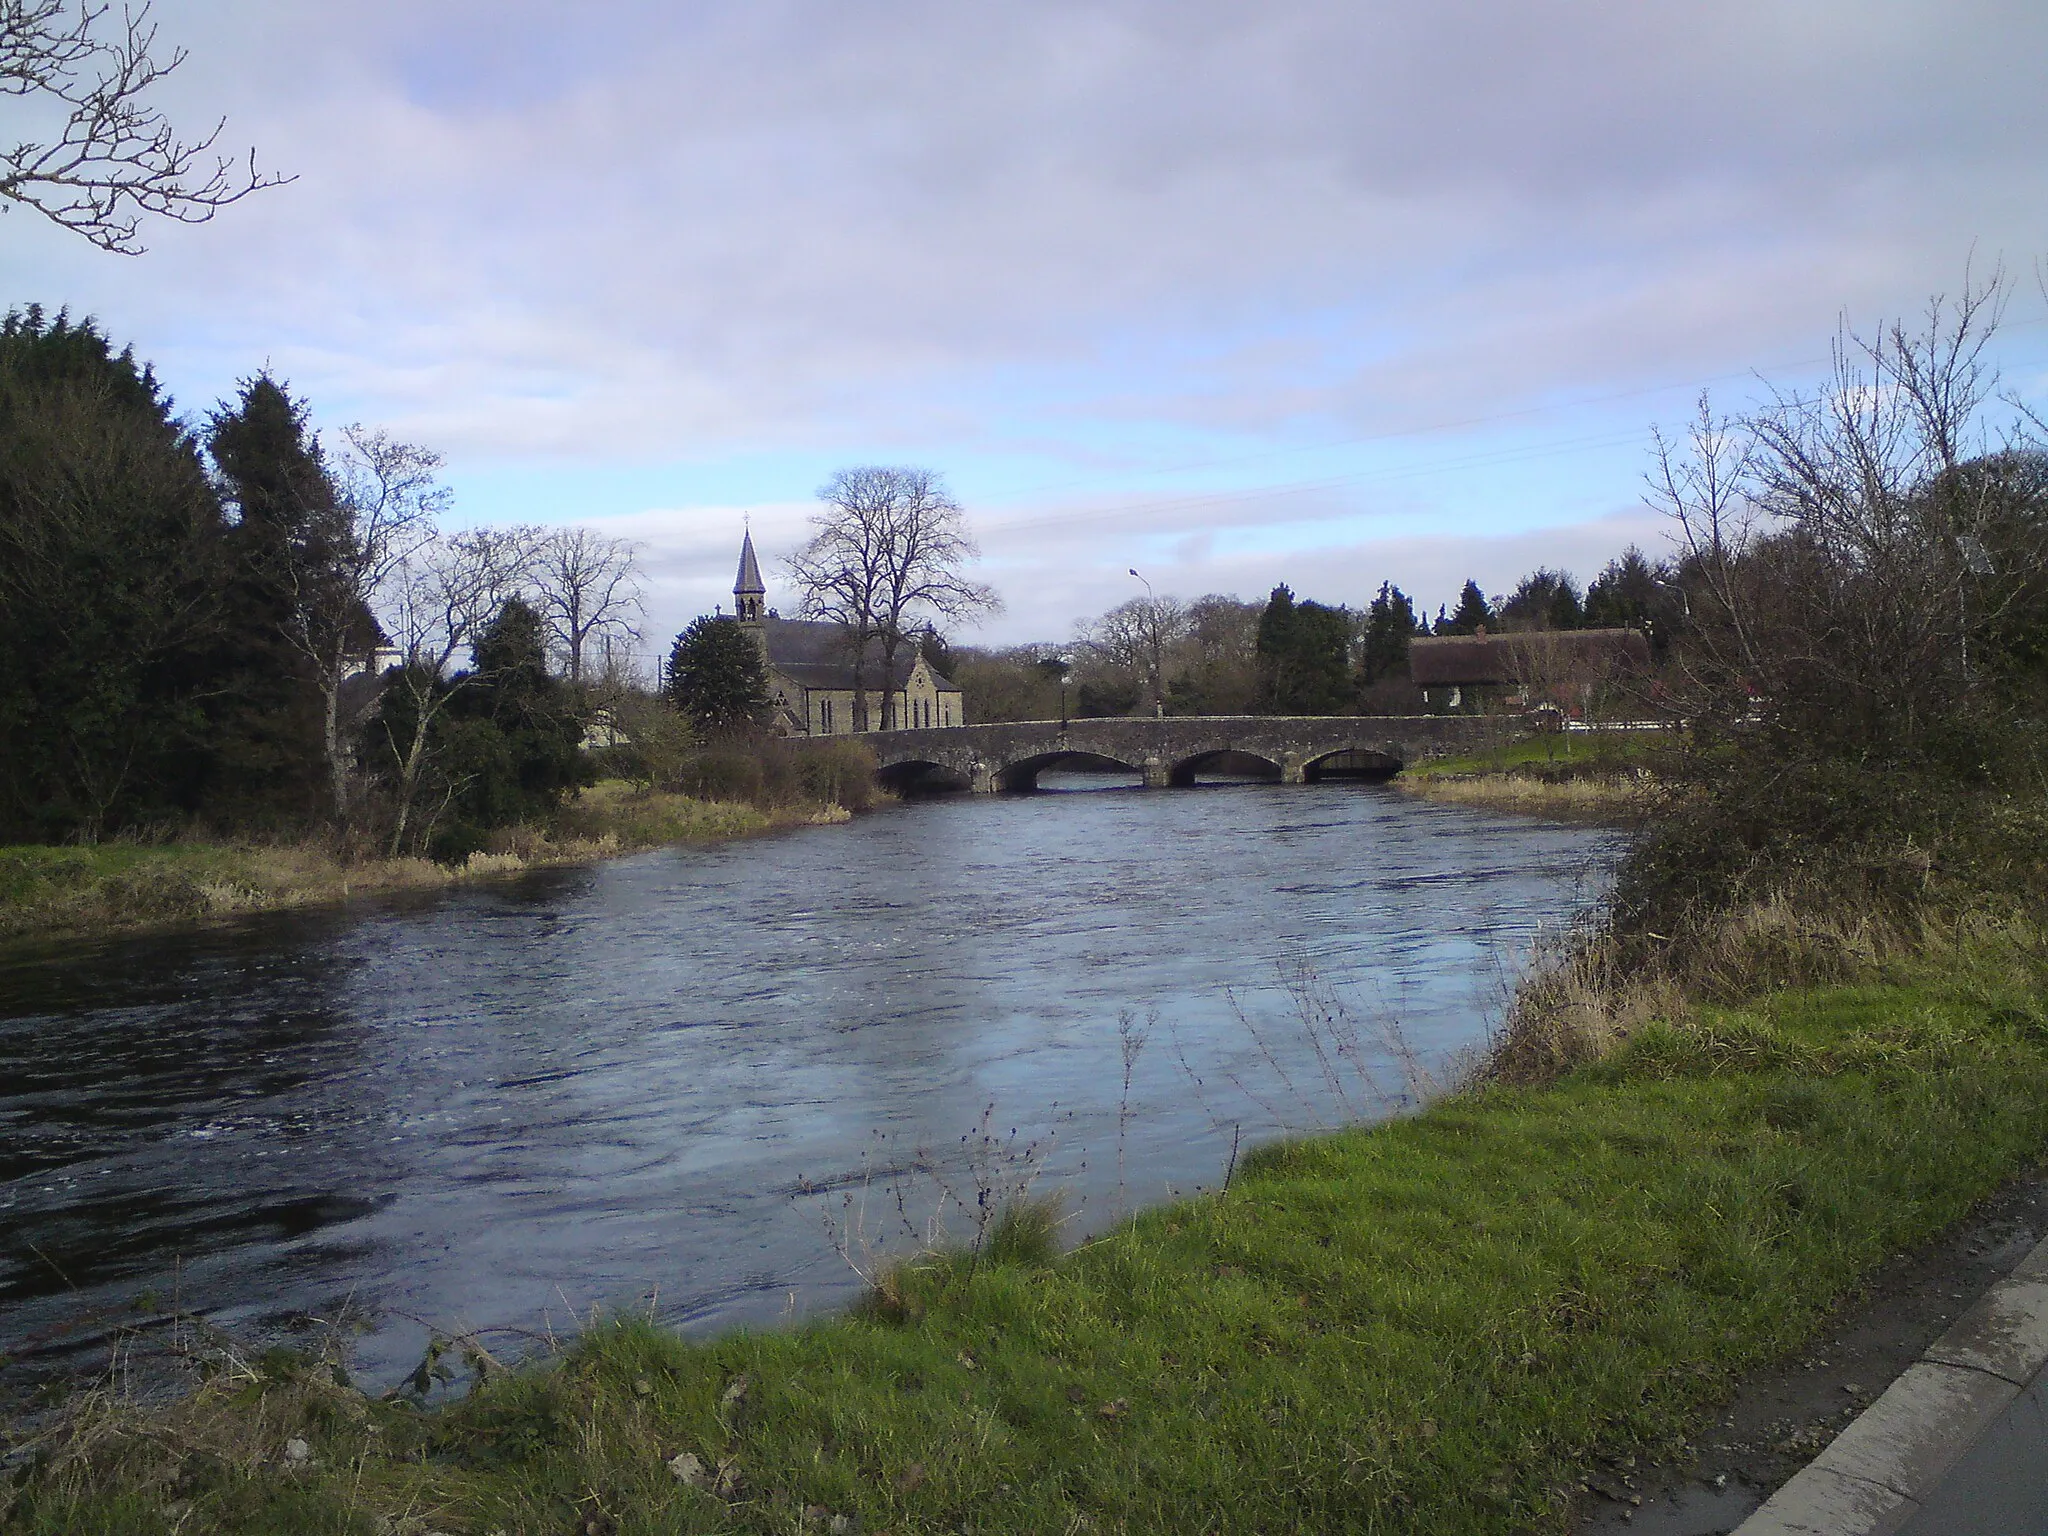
(1557,667)
(811,671)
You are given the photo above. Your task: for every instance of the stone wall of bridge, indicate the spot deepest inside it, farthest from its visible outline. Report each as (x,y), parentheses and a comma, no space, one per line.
(1174,749)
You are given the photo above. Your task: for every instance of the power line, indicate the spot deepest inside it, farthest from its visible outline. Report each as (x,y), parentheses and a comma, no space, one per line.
(1467,461)
(1298,487)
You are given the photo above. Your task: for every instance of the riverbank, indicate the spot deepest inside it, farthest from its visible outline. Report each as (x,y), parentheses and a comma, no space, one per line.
(1596,777)
(1443,1324)
(56,892)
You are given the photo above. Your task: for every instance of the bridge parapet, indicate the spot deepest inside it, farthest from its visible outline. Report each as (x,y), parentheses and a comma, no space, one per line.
(1171,749)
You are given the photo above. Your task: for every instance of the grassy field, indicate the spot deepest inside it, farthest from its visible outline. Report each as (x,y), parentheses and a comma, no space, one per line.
(1440,1325)
(48,892)
(1570,775)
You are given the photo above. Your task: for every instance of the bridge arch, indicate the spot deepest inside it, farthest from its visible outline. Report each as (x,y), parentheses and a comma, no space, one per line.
(1181,749)
(921,776)
(1023,774)
(1224,762)
(1369,763)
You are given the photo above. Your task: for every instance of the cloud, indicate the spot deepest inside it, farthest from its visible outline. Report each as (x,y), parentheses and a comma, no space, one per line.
(1057,243)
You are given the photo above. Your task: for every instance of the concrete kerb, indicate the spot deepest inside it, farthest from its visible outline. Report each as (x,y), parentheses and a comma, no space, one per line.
(1877,1473)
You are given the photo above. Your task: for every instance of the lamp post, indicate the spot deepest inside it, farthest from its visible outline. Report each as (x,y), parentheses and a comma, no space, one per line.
(1152,628)
(1057,668)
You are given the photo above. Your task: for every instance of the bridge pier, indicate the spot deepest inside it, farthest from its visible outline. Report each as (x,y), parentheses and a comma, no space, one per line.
(1157,774)
(981,779)
(1291,769)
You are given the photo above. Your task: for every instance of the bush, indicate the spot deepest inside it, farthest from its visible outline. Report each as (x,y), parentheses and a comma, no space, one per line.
(837,772)
(722,771)
(771,772)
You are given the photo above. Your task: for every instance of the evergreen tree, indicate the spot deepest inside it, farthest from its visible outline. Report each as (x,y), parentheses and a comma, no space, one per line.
(1474,614)
(110,537)
(937,653)
(716,675)
(1625,594)
(287,528)
(1389,626)
(1565,611)
(513,735)
(1544,599)
(1304,657)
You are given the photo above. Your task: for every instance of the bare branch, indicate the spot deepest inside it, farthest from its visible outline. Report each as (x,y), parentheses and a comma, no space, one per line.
(885,554)
(587,590)
(437,601)
(114,157)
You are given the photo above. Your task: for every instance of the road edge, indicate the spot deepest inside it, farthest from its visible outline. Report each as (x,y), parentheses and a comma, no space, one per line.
(1881,1469)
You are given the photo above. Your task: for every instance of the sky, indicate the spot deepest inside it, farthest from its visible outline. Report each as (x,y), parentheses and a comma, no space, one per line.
(1323,293)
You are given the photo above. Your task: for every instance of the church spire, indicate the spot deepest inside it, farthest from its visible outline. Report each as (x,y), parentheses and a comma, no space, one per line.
(748,590)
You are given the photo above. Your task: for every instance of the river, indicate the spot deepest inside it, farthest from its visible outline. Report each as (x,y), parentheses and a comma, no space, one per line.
(685,1080)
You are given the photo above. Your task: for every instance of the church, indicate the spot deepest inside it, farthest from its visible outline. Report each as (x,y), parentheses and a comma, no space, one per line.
(811,672)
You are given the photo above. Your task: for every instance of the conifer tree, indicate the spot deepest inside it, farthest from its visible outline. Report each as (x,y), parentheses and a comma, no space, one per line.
(287,528)
(1625,594)
(510,738)
(1474,613)
(716,676)
(1543,599)
(1303,657)
(110,536)
(1389,626)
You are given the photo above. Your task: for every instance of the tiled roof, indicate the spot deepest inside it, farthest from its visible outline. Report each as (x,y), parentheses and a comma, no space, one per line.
(1468,661)
(816,655)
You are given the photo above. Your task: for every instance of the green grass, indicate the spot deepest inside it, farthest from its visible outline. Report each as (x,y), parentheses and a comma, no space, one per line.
(46,891)
(1607,751)
(66,889)
(1436,1325)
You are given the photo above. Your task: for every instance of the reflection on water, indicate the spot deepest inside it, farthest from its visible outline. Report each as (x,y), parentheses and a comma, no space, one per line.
(604,1084)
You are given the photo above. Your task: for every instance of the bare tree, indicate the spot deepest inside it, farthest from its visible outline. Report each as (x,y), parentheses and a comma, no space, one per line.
(1702,484)
(113,158)
(438,600)
(838,575)
(885,557)
(587,590)
(1134,637)
(1840,546)
(385,502)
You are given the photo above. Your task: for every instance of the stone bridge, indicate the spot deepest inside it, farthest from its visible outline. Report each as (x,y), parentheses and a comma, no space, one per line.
(1295,749)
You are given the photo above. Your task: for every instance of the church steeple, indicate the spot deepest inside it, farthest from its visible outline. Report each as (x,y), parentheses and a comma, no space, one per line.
(748,592)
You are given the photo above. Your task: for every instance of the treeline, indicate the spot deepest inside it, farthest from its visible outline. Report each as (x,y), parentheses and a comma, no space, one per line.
(222,623)
(1220,655)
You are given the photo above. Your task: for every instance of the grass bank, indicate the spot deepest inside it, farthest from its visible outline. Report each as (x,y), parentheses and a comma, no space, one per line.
(52,892)
(1437,1325)
(1570,776)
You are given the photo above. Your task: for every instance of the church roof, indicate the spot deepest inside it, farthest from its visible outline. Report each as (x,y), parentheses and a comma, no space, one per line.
(749,578)
(818,655)
(1526,656)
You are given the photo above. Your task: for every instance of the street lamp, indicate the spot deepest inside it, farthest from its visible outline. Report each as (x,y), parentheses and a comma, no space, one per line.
(1057,667)
(1152,627)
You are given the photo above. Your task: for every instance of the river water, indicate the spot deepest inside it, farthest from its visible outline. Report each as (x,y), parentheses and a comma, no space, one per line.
(685,1080)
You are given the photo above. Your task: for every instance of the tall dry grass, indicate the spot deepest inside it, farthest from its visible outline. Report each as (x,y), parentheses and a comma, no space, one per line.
(1591,991)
